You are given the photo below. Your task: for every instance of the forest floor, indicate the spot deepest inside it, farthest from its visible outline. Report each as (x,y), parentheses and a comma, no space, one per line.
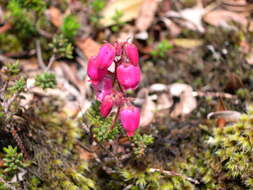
(196,58)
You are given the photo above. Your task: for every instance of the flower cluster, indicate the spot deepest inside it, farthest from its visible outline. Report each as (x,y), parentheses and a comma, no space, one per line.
(110,86)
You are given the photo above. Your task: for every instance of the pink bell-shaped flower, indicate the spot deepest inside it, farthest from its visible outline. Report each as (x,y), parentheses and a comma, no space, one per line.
(103,88)
(106,106)
(94,72)
(130,119)
(106,56)
(128,75)
(132,53)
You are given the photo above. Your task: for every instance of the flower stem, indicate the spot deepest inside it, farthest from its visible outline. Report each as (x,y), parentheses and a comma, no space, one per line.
(115,118)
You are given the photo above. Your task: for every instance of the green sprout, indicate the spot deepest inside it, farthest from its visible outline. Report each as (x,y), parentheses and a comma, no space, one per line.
(141,142)
(19,86)
(13,69)
(162,49)
(45,80)
(69,27)
(13,160)
(96,7)
(61,47)
(117,20)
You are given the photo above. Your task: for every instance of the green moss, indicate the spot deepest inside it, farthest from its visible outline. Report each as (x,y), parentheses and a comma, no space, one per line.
(232,151)
(57,164)
(9,43)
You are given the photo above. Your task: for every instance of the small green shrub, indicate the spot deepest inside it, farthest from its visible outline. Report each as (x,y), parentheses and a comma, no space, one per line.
(69,27)
(117,20)
(162,49)
(13,160)
(45,80)
(18,87)
(61,47)
(96,7)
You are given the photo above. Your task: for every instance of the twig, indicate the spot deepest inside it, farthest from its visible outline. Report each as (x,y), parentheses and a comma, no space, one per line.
(51,61)
(19,142)
(115,118)
(10,128)
(110,153)
(172,173)
(128,187)
(45,34)
(213,94)
(39,56)
(7,184)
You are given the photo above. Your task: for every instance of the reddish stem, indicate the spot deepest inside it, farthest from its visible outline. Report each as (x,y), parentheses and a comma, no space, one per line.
(115,77)
(116,117)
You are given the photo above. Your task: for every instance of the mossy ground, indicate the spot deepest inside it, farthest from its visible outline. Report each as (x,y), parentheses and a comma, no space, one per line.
(193,147)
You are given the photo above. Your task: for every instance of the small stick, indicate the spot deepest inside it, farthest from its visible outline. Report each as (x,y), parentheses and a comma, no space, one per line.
(214,94)
(172,173)
(115,118)
(51,61)
(39,55)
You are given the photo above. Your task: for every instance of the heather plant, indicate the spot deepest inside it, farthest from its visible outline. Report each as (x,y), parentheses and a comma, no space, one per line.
(110,89)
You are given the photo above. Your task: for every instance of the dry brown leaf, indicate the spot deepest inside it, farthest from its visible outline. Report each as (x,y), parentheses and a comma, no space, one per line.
(158,87)
(164,101)
(228,115)
(234,82)
(187,43)
(223,17)
(174,29)
(1,163)
(88,46)
(5,28)
(147,111)
(192,17)
(187,101)
(130,9)
(55,16)
(146,14)
(84,154)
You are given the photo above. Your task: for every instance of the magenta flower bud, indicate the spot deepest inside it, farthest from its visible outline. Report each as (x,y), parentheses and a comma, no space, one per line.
(130,119)
(128,75)
(94,72)
(103,88)
(106,106)
(132,53)
(106,56)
